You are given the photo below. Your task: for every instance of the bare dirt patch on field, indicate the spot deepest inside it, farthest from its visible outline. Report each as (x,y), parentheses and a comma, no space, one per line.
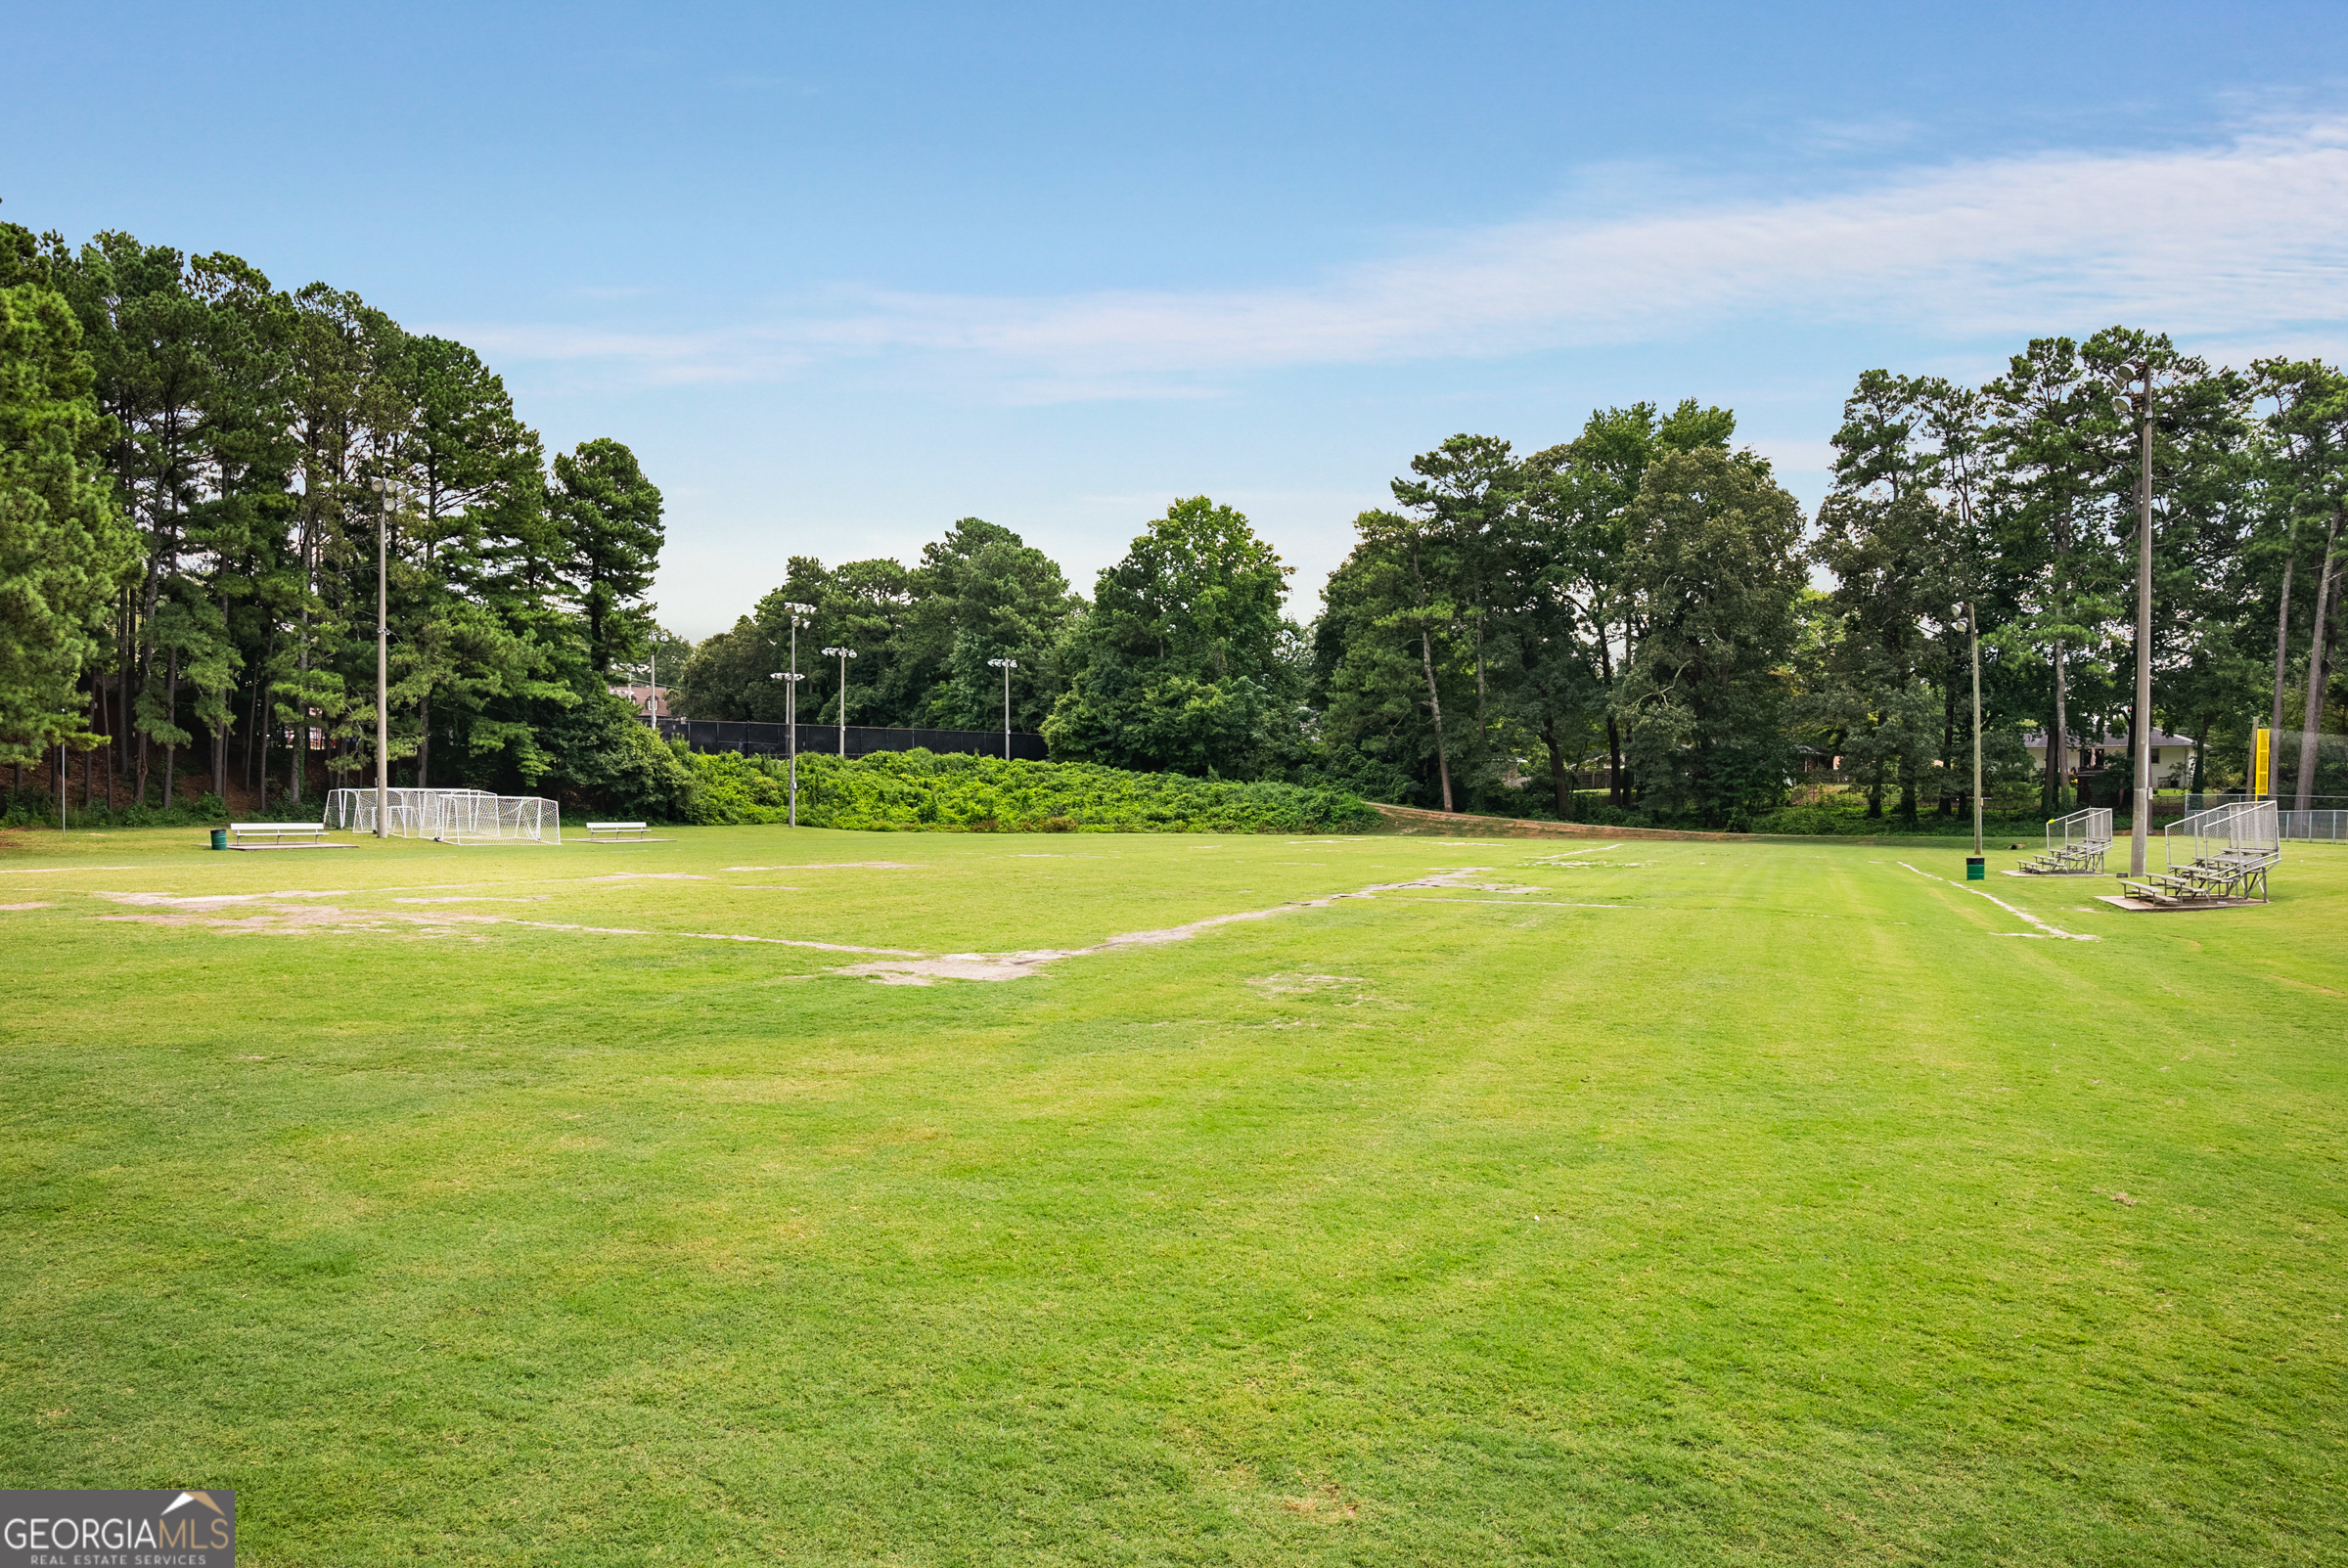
(1020,966)
(833,866)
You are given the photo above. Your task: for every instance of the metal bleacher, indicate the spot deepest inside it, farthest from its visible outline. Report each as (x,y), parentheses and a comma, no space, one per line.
(2075,845)
(2214,857)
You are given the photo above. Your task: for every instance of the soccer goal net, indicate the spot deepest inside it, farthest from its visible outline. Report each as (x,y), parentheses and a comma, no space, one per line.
(451,816)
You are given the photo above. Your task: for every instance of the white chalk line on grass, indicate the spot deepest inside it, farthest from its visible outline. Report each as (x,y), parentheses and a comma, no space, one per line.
(892,965)
(313,917)
(52,870)
(1518,903)
(1020,966)
(2043,931)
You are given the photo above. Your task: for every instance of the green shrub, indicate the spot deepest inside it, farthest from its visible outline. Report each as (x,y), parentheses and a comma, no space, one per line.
(1844,822)
(950,792)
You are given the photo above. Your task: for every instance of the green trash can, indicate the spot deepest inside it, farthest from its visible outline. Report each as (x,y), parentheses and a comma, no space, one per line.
(219,838)
(1977,869)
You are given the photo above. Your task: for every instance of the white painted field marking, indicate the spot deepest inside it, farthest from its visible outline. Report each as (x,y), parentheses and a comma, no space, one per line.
(52,870)
(2044,930)
(1020,966)
(1519,902)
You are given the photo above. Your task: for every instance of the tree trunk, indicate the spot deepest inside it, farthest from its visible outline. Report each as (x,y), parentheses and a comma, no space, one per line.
(1948,746)
(1434,703)
(170,718)
(302,719)
(1605,673)
(2315,667)
(2282,649)
(1875,791)
(260,772)
(119,756)
(1557,769)
(2058,742)
(424,740)
(2134,804)
(1482,728)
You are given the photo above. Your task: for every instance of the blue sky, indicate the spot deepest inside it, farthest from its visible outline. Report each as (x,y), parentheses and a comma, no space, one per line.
(842,275)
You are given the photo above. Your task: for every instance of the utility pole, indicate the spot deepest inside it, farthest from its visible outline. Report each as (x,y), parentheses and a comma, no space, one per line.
(1972,627)
(843,654)
(1005,665)
(791,679)
(2135,397)
(388,492)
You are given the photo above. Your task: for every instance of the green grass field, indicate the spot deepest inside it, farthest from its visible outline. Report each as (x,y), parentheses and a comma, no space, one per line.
(1669,1202)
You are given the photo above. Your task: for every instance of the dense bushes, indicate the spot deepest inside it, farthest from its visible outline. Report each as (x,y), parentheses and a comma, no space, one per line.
(1850,820)
(32,809)
(929,791)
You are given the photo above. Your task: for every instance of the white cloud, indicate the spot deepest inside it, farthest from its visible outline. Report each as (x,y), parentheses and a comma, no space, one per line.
(2231,239)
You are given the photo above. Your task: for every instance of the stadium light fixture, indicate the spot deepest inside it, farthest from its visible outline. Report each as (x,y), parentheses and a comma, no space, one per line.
(843,654)
(1005,665)
(801,615)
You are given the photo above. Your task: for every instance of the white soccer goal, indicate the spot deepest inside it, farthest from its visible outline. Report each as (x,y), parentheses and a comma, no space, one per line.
(450,816)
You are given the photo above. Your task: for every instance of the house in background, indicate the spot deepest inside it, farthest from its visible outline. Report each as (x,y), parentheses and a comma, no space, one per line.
(2172,756)
(649,701)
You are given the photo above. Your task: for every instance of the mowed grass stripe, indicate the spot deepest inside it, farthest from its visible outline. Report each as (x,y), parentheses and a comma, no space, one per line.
(557,1248)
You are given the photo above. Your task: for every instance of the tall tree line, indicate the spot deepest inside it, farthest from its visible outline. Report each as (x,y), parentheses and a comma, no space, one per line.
(1182,658)
(1646,602)
(197,470)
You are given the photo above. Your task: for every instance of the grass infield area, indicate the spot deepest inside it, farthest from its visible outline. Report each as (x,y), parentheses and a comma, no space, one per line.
(823,1199)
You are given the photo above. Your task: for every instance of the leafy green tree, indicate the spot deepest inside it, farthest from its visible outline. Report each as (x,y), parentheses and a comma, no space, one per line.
(980,593)
(1578,501)
(1898,555)
(1461,502)
(1184,661)
(2305,452)
(1715,577)
(2050,432)
(609,515)
(65,549)
(1378,674)
(2202,466)
(726,676)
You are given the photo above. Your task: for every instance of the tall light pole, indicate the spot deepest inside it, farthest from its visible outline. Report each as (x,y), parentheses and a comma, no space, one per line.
(1005,665)
(1972,627)
(2135,397)
(843,654)
(791,679)
(388,493)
